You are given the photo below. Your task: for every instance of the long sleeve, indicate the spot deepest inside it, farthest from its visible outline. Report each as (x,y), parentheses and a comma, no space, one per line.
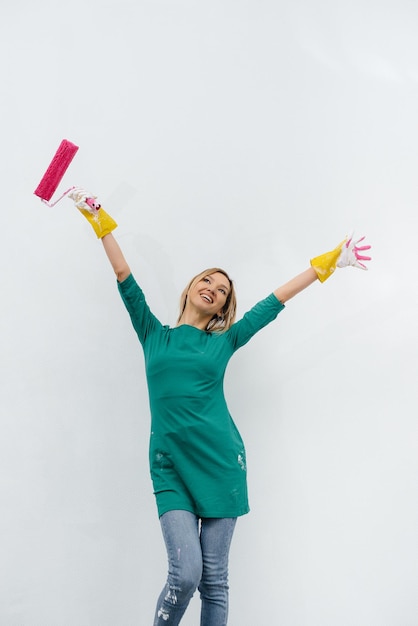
(143,320)
(254,320)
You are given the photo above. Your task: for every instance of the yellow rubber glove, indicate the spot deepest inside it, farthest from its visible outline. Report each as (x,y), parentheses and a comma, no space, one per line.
(325,264)
(347,253)
(86,203)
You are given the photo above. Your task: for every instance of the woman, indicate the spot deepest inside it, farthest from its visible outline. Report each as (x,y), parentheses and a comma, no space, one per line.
(197,456)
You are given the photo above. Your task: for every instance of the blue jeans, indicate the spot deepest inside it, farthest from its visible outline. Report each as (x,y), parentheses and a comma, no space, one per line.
(197,558)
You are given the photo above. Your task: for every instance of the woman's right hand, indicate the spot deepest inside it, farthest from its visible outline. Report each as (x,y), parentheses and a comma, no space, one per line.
(87,204)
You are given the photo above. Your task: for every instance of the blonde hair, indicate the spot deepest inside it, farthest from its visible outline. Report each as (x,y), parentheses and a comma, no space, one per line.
(229,310)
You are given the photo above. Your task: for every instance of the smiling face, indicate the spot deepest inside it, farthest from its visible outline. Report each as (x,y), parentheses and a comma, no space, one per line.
(208,301)
(209,294)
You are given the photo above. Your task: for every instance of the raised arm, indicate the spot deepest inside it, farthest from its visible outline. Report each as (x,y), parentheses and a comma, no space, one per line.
(296,285)
(348,252)
(116,258)
(103,225)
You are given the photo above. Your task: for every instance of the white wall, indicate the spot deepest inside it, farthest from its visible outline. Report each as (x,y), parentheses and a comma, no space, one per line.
(249,134)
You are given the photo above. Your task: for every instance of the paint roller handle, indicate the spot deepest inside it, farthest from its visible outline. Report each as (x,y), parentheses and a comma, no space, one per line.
(88,205)
(347,253)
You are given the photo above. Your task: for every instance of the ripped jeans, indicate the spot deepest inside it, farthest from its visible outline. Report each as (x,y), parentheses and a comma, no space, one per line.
(197,558)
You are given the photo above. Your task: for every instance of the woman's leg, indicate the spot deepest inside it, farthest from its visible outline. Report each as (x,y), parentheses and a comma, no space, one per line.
(215,539)
(181,536)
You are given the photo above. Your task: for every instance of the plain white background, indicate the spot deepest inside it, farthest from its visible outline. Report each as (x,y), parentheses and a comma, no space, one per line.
(248,134)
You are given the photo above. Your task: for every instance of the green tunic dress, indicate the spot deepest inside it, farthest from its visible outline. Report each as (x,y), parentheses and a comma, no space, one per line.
(197,456)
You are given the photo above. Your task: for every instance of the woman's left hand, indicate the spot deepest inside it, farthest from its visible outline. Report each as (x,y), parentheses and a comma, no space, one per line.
(352,254)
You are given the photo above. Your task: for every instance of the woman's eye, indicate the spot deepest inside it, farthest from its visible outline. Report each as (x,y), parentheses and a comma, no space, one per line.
(206,280)
(223,292)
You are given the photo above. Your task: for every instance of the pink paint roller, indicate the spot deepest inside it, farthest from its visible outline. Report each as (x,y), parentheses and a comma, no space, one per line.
(56,170)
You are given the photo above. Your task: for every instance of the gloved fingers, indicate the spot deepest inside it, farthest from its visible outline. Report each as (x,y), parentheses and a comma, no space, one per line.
(361,257)
(352,253)
(360,265)
(357,250)
(354,244)
(84,200)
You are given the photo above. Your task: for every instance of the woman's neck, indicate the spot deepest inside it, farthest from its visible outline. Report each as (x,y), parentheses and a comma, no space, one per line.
(191,318)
